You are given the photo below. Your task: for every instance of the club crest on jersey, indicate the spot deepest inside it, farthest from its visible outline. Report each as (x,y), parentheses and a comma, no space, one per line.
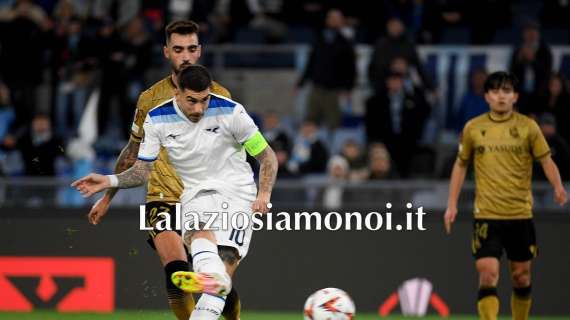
(514,132)
(213,129)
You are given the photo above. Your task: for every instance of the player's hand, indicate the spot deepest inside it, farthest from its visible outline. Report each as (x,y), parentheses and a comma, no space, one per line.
(261,204)
(560,196)
(449,218)
(91,184)
(99,210)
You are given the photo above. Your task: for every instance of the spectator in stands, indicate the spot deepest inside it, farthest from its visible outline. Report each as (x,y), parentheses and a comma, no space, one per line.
(338,171)
(369,17)
(138,57)
(274,133)
(23,38)
(38,145)
(380,164)
(71,76)
(396,118)
(531,63)
(6,119)
(395,45)
(309,153)
(6,111)
(473,102)
(556,101)
(559,147)
(282,155)
(110,51)
(332,71)
(440,16)
(356,158)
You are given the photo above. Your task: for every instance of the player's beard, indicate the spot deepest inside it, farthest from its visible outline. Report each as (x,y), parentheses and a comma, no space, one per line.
(195,117)
(179,68)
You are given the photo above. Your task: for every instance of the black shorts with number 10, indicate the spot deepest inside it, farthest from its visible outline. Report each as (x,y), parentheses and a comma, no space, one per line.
(152,217)
(516,237)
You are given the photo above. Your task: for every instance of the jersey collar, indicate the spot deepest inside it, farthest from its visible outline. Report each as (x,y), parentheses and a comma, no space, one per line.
(497,118)
(179,112)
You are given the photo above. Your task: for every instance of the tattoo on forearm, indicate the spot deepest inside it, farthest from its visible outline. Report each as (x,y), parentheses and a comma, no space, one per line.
(135,176)
(126,159)
(268,170)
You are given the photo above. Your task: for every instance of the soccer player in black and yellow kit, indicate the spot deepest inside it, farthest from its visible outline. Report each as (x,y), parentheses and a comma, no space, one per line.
(502,145)
(164,187)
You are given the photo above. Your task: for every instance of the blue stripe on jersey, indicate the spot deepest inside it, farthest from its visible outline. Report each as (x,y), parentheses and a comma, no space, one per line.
(146,159)
(216,102)
(165,113)
(219,106)
(167,118)
(218,111)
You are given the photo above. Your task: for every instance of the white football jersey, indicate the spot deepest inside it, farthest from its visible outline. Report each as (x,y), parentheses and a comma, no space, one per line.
(207,155)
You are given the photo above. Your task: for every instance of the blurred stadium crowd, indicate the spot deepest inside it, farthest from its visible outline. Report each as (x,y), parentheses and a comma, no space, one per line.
(54,53)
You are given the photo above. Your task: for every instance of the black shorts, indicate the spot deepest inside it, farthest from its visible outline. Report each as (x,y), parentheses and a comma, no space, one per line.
(517,237)
(152,217)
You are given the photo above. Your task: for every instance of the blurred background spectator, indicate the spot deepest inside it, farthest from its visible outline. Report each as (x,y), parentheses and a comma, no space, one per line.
(531,63)
(396,117)
(473,102)
(331,70)
(559,148)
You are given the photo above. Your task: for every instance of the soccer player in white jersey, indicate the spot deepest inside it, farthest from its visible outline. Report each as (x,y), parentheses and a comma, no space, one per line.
(206,137)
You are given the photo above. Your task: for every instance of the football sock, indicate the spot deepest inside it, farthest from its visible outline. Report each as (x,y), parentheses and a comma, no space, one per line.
(180,303)
(488,304)
(521,301)
(209,307)
(205,259)
(233,306)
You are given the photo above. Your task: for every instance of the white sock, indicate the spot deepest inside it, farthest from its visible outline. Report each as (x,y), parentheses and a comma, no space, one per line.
(205,258)
(208,307)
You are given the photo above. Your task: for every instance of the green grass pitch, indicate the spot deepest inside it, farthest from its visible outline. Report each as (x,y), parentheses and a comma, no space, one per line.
(165,315)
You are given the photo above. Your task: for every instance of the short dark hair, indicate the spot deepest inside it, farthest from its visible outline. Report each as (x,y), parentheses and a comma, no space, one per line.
(195,77)
(501,79)
(181,27)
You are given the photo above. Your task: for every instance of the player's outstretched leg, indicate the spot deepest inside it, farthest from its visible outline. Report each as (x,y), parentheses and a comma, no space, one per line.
(521,299)
(230,256)
(173,257)
(180,302)
(488,301)
(232,309)
(210,277)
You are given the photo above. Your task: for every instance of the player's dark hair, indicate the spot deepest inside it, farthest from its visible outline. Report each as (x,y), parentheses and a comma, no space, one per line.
(501,79)
(183,27)
(195,77)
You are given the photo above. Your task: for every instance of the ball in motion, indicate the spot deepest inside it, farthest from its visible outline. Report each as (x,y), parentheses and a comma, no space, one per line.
(329,304)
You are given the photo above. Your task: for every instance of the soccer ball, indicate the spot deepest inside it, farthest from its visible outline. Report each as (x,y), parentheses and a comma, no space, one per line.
(329,304)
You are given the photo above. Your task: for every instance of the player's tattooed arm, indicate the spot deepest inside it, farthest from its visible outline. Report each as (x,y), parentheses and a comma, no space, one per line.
(126,159)
(267,171)
(135,176)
